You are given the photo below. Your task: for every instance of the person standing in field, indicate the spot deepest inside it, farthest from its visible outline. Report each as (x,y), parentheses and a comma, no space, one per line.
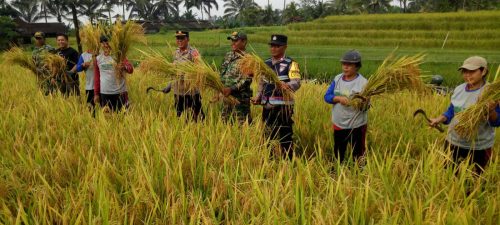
(474,71)
(278,111)
(185,98)
(72,86)
(109,90)
(235,83)
(349,124)
(85,64)
(38,55)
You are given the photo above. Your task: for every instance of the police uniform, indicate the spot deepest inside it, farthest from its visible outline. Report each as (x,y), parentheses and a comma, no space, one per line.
(38,56)
(185,98)
(239,84)
(278,111)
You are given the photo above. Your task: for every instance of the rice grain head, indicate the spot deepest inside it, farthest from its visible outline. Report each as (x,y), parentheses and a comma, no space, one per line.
(16,56)
(123,36)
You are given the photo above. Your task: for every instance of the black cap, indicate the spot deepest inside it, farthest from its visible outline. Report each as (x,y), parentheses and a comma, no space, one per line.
(104,38)
(181,33)
(278,39)
(237,35)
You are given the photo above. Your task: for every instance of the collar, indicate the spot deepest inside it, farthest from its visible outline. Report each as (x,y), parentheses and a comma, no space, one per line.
(274,61)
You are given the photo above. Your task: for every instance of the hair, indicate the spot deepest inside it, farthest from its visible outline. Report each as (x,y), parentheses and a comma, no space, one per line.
(64,35)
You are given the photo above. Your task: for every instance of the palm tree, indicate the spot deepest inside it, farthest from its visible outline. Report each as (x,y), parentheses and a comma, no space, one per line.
(108,5)
(167,9)
(378,6)
(91,9)
(234,7)
(44,10)
(27,10)
(208,6)
(59,9)
(145,9)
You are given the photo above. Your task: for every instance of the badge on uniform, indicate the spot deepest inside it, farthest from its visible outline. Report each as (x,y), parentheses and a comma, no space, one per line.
(283,67)
(274,38)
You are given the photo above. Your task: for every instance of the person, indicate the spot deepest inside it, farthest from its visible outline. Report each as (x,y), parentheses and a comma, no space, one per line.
(474,71)
(109,90)
(436,82)
(72,85)
(48,86)
(235,83)
(185,98)
(277,110)
(349,124)
(85,64)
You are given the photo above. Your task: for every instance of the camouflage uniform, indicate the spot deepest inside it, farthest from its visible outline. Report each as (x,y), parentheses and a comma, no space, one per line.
(38,56)
(232,78)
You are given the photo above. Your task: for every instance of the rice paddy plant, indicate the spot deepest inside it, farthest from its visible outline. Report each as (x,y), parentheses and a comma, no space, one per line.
(253,65)
(393,75)
(16,56)
(90,36)
(471,118)
(57,67)
(123,36)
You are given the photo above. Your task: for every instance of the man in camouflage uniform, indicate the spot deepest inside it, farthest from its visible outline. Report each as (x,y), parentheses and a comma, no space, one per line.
(40,50)
(185,98)
(236,83)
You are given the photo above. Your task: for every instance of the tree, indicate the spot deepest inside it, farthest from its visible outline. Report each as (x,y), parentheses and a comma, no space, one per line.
(168,9)
(6,9)
(59,9)
(379,6)
(146,10)
(291,14)
(251,16)
(208,5)
(234,7)
(7,31)
(91,9)
(27,10)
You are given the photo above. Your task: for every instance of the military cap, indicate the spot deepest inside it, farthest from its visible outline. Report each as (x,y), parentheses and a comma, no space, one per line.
(237,35)
(181,33)
(278,39)
(39,34)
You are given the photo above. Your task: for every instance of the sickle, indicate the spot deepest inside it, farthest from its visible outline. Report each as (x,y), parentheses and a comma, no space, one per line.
(421,111)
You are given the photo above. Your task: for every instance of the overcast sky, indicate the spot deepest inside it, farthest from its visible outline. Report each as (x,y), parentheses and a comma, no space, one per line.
(276,4)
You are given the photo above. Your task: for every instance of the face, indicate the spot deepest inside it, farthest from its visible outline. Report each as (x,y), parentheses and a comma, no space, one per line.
(105,47)
(472,77)
(182,42)
(39,41)
(62,42)
(238,45)
(349,69)
(277,50)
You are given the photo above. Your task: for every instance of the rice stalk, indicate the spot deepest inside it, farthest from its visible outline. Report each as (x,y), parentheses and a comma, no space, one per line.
(471,118)
(122,37)
(91,37)
(251,64)
(201,74)
(392,76)
(57,67)
(16,56)
(156,63)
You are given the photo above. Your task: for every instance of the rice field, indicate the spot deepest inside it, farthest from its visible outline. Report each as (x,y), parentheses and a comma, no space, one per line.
(59,165)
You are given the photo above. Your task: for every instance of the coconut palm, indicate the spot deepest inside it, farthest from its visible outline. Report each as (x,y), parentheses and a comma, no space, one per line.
(58,8)
(145,9)
(234,7)
(91,9)
(27,10)
(208,5)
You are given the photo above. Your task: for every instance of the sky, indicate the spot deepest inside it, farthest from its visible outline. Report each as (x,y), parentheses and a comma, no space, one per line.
(276,4)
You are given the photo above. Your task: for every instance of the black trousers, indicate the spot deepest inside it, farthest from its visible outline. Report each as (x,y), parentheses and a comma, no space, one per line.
(90,97)
(191,102)
(356,138)
(279,126)
(479,158)
(115,102)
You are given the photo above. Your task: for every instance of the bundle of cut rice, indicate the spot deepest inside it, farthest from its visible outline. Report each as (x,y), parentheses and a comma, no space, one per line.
(251,64)
(57,67)
(122,37)
(200,74)
(471,118)
(394,75)
(157,63)
(16,56)
(91,37)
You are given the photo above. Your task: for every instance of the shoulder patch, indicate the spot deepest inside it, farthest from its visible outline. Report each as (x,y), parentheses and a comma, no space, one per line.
(288,60)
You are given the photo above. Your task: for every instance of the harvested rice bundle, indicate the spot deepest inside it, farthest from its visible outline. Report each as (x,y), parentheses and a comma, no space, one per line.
(57,67)
(122,37)
(16,56)
(471,118)
(253,64)
(156,63)
(201,74)
(394,75)
(90,36)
